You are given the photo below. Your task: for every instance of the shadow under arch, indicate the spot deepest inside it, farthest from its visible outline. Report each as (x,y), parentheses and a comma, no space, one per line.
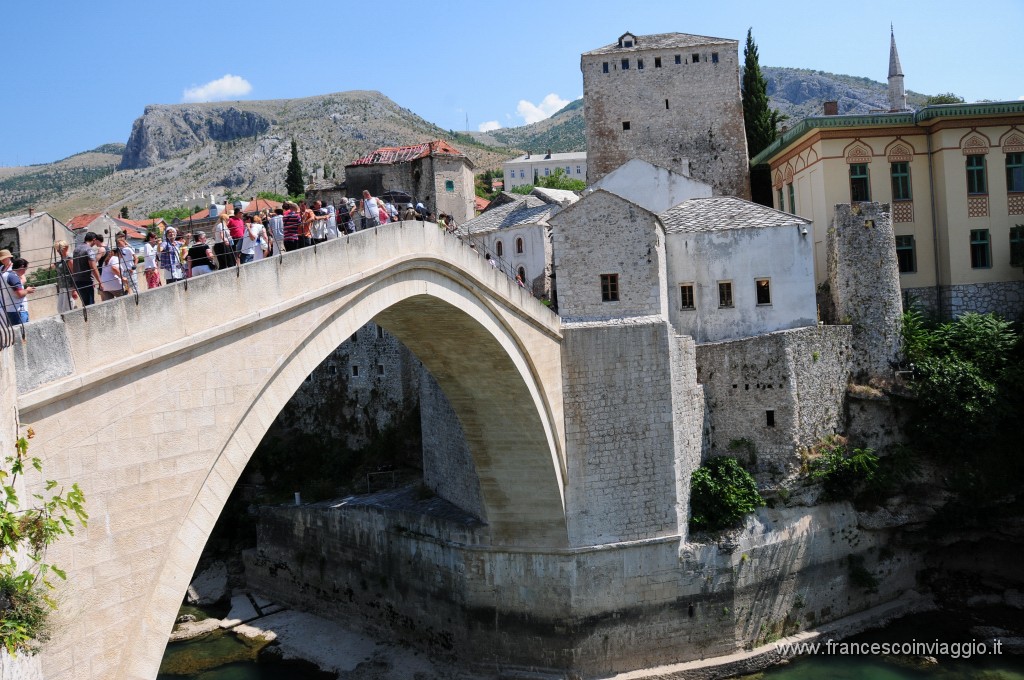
(486,371)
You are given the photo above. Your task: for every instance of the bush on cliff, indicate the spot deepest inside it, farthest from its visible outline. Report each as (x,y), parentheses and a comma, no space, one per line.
(721,494)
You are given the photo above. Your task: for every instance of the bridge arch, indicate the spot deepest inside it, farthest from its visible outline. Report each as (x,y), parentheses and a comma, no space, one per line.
(497,364)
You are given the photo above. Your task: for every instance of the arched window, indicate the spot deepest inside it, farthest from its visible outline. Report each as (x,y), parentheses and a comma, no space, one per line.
(498,249)
(519,246)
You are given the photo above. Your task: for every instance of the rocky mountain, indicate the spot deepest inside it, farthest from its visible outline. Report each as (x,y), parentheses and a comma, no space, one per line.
(177,152)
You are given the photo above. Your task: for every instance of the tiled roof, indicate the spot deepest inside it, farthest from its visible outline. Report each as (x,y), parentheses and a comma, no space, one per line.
(403,154)
(527,210)
(83,221)
(662,41)
(724,212)
(480,203)
(18,220)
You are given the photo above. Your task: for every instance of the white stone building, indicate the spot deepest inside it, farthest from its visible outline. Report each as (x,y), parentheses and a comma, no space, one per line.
(530,167)
(652,186)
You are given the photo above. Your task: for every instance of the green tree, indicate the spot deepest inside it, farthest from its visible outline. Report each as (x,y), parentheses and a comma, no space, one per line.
(944,98)
(124,212)
(294,182)
(271,196)
(721,494)
(761,121)
(559,180)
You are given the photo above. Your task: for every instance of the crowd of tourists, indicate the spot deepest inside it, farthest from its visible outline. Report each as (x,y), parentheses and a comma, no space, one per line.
(93,267)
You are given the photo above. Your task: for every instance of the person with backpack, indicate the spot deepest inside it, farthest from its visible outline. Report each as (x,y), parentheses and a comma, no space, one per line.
(85,271)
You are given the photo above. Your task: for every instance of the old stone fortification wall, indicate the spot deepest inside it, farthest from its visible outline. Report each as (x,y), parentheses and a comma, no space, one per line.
(864,281)
(624,399)
(769,396)
(1004,297)
(599,610)
(448,468)
(691,110)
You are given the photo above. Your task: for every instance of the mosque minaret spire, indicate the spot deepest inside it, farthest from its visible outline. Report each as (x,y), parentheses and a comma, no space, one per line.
(897,95)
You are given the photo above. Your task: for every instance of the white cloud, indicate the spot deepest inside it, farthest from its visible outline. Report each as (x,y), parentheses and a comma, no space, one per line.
(227,87)
(489,125)
(532,113)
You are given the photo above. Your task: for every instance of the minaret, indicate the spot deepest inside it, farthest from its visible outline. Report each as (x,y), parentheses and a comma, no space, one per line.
(897,95)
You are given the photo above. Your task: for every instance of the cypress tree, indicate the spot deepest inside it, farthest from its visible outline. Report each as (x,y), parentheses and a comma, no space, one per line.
(760,121)
(293,181)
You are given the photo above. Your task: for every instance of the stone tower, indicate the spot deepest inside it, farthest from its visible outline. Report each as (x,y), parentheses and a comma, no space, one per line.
(864,282)
(666,98)
(897,95)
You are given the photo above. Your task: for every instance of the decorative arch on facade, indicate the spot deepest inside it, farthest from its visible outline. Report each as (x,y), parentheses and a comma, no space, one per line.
(858,152)
(1012,141)
(789,174)
(974,143)
(899,151)
(777,181)
(800,162)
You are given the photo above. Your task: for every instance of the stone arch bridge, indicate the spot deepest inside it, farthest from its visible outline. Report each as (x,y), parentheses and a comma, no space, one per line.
(155,408)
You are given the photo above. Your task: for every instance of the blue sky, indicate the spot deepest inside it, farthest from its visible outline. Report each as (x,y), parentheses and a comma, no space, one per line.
(78,74)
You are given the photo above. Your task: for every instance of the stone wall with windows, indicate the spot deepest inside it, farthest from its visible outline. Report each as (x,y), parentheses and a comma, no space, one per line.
(773,395)
(665,105)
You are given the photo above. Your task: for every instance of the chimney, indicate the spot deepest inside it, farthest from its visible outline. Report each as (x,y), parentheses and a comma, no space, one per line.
(31,212)
(832,108)
(549,154)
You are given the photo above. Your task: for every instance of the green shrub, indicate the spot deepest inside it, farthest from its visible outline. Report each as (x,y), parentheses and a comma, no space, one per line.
(721,494)
(843,473)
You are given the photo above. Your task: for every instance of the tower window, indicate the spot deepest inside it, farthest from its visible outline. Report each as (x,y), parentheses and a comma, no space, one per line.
(666,104)
(604,67)
(905,254)
(639,64)
(714,57)
(679,59)
(380,369)
(769,418)
(449,185)
(519,246)
(498,248)
(609,287)
(355,370)
(625,64)
(625,125)
(695,58)
(657,62)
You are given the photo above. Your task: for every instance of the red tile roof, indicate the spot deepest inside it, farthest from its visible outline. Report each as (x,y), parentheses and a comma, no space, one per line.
(480,203)
(83,221)
(403,154)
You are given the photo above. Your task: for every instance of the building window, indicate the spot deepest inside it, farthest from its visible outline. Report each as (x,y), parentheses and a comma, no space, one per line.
(686,299)
(657,62)
(498,248)
(859,188)
(380,333)
(725,293)
(449,185)
(627,43)
(625,125)
(981,252)
(714,57)
(1017,246)
(640,64)
(332,369)
(609,287)
(1015,172)
(792,198)
(380,369)
(522,174)
(900,173)
(519,246)
(666,104)
(782,199)
(694,58)
(355,370)
(679,59)
(764,291)
(579,169)
(905,254)
(769,417)
(976,181)
(547,172)
(604,67)
(625,64)
(567,170)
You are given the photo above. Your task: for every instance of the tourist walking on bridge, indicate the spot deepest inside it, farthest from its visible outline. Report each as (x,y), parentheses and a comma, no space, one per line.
(13,291)
(370,210)
(170,259)
(84,270)
(66,293)
(200,257)
(150,266)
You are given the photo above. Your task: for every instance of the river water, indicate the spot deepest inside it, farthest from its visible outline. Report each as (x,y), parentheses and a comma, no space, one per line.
(223,656)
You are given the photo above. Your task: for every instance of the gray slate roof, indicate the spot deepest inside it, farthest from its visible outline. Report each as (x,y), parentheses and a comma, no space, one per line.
(662,41)
(528,210)
(571,157)
(724,212)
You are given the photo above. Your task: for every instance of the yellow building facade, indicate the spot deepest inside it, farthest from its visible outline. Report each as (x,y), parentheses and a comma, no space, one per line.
(954,178)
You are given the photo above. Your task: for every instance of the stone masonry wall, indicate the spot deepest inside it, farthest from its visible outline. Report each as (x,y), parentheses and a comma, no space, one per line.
(691,110)
(864,281)
(448,468)
(623,476)
(605,234)
(799,376)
